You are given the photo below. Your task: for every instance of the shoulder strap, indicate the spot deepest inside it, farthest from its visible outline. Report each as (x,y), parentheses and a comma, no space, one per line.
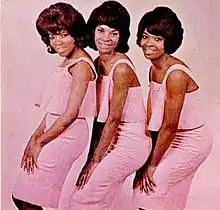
(122,60)
(175,67)
(87,60)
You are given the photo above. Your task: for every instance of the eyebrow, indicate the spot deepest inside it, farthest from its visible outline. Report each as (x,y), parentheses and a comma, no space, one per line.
(111,29)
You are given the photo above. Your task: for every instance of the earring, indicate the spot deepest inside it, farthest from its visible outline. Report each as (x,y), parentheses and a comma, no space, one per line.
(49,49)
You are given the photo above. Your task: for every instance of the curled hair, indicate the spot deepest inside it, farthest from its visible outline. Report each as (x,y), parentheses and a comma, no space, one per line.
(114,15)
(162,21)
(58,17)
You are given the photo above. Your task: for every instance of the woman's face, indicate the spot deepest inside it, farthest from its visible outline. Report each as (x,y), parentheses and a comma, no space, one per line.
(152,45)
(106,39)
(63,43)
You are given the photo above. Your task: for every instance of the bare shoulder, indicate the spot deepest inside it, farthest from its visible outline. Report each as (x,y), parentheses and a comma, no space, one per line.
(82,68)
(122,68)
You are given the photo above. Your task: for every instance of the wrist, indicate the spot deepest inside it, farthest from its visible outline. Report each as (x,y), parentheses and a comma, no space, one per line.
(96,159)
(41,141)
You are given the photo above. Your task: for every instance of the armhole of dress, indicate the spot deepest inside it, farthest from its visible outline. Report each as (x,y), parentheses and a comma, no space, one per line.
(150,76)
(87,60)
(176,67)
(119,61)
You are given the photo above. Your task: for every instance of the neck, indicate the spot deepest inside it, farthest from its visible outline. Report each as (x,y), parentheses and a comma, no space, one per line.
(106,57)
(74,53)
(161,62)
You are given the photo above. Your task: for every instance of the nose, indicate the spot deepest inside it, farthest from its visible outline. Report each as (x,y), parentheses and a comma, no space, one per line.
(148,41)
(58,40)
(106,36)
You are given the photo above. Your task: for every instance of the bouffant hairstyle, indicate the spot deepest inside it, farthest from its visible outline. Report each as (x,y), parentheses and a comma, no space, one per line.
(114,15)
(162,21)
(58,17)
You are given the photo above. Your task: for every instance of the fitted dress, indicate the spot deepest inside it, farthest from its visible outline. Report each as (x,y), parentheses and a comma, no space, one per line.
(44,187)
(129,154)
(187,152)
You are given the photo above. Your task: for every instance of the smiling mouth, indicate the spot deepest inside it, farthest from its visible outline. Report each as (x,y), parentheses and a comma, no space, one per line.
(104,45)
(60,50)
(148,50)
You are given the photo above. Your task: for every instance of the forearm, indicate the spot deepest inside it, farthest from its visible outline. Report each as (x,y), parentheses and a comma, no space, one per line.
(40,129)
(107,136)
(164,139)
(153,135)
(60,125)
(96,135)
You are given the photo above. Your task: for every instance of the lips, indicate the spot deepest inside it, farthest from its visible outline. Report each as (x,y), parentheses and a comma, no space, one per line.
(104,45)
(60,49)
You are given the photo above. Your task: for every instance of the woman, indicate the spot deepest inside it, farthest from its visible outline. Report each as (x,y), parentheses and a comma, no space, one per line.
(174,117)
(63,134)
(121,113)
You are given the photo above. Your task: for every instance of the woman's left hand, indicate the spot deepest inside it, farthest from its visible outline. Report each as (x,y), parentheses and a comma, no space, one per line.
(85,174)
(148,182)
(31,153)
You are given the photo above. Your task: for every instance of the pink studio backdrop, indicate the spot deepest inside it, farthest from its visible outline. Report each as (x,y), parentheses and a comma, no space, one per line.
(25,64)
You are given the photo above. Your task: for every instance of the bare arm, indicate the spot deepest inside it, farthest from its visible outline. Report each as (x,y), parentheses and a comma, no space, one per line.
(176,86)
(122,78)
(40,129)
(81,75)
(148,114)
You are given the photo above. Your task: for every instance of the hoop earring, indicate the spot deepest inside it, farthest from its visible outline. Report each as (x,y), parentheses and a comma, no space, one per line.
(49,49)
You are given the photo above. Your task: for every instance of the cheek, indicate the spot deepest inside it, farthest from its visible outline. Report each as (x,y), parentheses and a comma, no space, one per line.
(116,41)
(142,43)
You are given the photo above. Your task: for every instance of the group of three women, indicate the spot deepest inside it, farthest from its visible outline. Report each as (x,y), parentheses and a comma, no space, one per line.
(164,147)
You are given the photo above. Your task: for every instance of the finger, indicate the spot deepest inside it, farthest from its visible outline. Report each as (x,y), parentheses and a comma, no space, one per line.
(153,182)
(145,186)
(79,182)
(24,165)
(29,163)
(32,167)
(35,162)
(24,157)
(84,181)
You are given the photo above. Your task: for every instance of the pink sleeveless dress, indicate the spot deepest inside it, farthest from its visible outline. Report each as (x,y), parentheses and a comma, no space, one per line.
(44,187)
(188,150)
(129,154)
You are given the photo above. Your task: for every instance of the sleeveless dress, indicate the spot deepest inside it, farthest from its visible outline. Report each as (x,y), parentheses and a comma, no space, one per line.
(188,149)
(44,187)
(129,154)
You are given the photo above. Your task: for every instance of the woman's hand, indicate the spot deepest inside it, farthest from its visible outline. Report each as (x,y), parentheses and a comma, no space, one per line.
(31,153)
(85,174)
(137,182)
(148,183)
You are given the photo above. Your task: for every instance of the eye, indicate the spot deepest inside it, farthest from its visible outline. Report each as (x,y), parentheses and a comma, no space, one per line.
(51,37)
(114,33)
(100,30)
(158,39)
(144,36)
(64,35)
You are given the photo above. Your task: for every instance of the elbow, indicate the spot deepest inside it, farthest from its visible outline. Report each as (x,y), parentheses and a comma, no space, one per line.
(70,117)
(114,119)
(171,127)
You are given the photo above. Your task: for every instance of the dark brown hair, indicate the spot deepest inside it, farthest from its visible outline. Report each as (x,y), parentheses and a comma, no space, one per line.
(162,21)
(114,15)
(58,17)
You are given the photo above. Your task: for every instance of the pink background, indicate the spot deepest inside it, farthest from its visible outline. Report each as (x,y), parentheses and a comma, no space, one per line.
(25,64)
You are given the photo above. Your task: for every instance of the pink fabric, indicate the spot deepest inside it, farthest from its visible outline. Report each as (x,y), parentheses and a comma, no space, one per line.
(134,110)
(53,98)
(55,160)
(191,115)
(130,152)
(175,172)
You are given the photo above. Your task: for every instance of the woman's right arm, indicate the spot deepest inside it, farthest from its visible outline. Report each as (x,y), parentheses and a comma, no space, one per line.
(40,129)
